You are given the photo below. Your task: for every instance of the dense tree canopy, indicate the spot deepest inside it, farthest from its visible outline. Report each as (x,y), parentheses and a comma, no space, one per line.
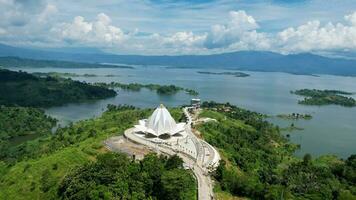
(115,176)
(21,121)
(43,163)
(17,121)
(325,97)
(257,162)
(160,89)
(24,89)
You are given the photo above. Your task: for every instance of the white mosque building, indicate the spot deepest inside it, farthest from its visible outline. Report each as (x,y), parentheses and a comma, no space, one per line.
(160,125)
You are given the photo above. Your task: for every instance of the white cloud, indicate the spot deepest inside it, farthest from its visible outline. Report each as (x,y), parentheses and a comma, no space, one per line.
(188,39)
(238,33)
(240,21)
(19,13)
(99,32)
(176,29)
(75,30)
(313,36)
(351,18)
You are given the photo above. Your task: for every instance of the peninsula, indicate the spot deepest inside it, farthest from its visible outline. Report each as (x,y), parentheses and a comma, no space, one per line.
(10,62)
(25,89)
(160,89)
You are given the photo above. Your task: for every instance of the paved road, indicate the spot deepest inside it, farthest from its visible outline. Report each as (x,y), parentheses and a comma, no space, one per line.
(208,156)
(205,186)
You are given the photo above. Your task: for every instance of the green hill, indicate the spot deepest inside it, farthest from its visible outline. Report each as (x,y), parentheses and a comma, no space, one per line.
(50,167)
(23,89)
(19,121)
(258,162)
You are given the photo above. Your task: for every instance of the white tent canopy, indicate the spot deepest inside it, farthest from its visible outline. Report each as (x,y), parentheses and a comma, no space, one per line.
(159,123)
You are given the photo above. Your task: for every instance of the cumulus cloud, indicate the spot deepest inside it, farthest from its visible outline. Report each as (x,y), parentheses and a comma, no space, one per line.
(17,12)
(240,21)
(187,39)
(351,18)
(239,32)
(96,32)
(313,36)
(28,22)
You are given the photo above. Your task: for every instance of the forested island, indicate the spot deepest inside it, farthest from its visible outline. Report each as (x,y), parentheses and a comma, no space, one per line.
(10,62)
(236,74)
(160,89)
(25,89)
(325,97)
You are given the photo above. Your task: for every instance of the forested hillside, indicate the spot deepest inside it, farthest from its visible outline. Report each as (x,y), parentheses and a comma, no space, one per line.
(258,162)
(23,89)
(73,164)
(19,121)
(115,176)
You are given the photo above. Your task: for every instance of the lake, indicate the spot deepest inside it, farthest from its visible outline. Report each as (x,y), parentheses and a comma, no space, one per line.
(331,131)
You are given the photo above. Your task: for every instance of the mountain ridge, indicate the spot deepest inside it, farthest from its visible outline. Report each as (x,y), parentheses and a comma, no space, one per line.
(264,61)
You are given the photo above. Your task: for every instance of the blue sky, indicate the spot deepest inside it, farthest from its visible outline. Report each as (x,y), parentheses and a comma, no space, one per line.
(182,27)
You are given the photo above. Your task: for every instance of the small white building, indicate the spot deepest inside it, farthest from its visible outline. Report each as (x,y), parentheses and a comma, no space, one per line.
(195,103)
(160,124)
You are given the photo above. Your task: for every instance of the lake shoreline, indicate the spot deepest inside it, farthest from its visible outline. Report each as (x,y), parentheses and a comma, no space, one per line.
(257,93)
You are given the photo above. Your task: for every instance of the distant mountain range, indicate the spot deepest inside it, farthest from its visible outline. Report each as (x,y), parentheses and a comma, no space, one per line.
(305,63)
(10,61)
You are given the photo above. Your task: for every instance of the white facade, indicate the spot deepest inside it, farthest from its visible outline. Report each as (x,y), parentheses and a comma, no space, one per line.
(160,123)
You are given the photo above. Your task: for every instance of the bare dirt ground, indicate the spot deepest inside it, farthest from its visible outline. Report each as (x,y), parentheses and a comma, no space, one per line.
(123,145)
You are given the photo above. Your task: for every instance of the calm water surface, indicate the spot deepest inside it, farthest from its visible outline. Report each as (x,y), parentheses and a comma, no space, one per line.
(331,131)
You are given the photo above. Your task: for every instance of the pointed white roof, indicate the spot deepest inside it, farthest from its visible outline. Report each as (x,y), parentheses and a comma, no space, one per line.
(161,121)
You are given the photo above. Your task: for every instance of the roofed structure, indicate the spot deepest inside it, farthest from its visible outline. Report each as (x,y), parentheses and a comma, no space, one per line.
(160,123)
